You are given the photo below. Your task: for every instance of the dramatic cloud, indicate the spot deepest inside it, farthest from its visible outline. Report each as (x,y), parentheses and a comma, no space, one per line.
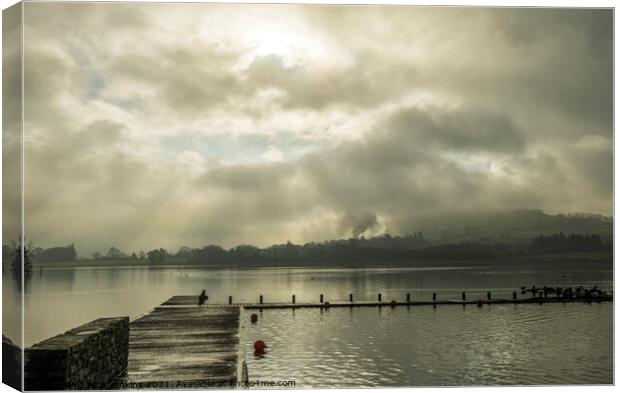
(154,125)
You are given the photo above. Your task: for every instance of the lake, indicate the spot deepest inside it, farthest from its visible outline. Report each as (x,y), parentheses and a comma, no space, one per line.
(416,346)
(425,346)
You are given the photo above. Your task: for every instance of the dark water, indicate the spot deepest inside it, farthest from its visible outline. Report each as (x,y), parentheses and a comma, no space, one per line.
(484,341)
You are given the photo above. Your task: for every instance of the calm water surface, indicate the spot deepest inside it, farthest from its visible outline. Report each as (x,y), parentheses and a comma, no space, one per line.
(423,346)
(417,346)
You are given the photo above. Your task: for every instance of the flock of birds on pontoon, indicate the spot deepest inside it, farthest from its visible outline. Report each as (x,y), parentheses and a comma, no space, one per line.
(568,293)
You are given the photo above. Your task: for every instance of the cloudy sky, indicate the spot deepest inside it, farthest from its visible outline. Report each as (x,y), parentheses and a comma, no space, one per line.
(154,125)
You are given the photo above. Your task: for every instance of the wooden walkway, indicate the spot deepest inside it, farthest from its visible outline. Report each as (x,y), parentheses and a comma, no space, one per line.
(180,345)
(191,301)
(266,306)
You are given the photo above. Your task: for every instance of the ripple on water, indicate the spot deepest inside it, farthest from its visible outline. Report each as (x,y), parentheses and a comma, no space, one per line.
(420,346)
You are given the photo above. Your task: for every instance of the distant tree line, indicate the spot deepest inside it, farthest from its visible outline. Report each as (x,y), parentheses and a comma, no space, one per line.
(559,242)
(157,255)
(38,254)
(342,251)
(56,254)
(380,249)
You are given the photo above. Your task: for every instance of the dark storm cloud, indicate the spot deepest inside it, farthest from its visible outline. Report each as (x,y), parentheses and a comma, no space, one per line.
(344,120)
(467,130)
(524,27)
(389,173)
(565,66)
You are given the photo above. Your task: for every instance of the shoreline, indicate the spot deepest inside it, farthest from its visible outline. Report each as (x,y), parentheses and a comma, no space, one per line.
(598,258)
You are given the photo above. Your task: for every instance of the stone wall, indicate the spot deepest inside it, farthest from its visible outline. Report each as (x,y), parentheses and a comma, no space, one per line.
(88,357)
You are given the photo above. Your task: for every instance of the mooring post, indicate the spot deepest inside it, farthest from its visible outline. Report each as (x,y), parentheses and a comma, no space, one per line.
(260,299)
(351,297)
(540,294)
(379,297)
(321,299)
(488,295)
(514,296)
(293,299)
(463,296)
(434,296)
(229,299)
(408,298)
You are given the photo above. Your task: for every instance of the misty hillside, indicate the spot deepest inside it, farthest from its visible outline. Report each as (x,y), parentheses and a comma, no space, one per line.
(478,236)
(517,226)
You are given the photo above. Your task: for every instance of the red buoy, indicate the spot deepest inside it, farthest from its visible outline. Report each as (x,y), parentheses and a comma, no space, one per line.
(393,303)
(327,304)
(253,318)
(260,346)
(479,302)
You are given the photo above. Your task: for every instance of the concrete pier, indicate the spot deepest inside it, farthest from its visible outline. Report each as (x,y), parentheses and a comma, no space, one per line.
(182,345)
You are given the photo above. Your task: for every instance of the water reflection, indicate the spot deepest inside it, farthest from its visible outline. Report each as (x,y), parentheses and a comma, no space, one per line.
(57,299)
(12,302)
